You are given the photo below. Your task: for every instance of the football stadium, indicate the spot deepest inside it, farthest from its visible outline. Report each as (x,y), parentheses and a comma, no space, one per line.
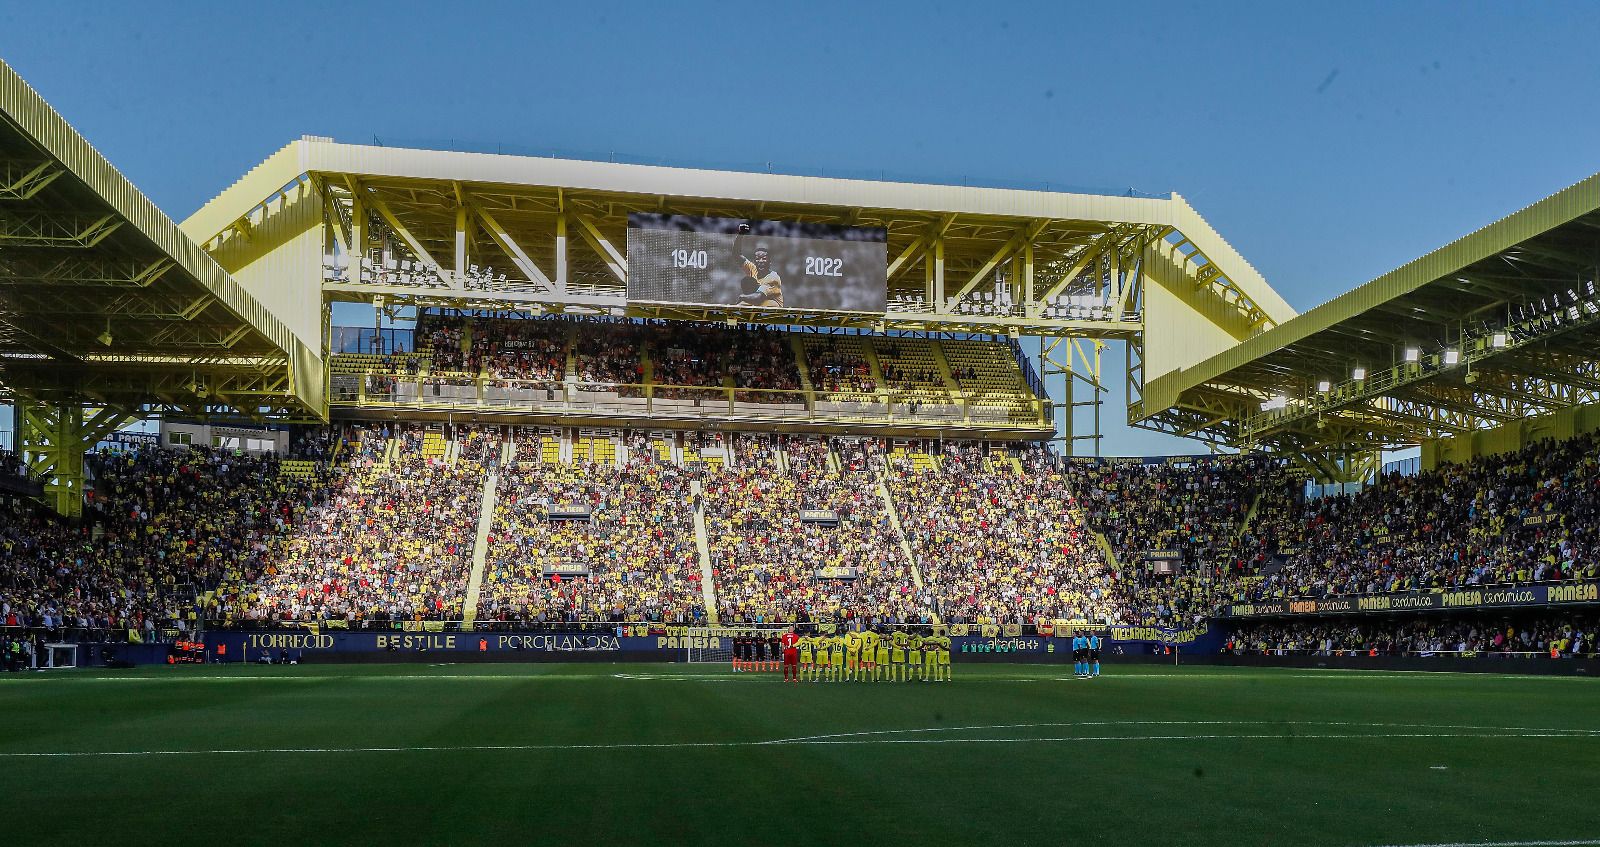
(672,505)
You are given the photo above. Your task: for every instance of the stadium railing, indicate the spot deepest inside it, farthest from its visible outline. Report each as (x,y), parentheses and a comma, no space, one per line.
(1416,654)
(1472,586)
(378,389)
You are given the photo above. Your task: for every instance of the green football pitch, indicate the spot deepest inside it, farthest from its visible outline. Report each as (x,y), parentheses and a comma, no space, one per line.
(658,754)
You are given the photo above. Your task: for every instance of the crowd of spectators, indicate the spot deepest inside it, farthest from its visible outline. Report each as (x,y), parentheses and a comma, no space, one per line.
(1549,634)
(609,353)
(507,352)
(391,541)
(837,370)
(637,542)
(1196,508)
(1520,517)
(999,546)
(382,526)
(773,564)
(163,530)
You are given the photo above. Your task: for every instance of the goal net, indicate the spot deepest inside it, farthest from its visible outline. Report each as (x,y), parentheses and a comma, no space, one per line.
(710,655)
(59,656)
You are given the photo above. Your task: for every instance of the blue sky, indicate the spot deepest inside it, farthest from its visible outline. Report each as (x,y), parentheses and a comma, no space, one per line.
(1329,142)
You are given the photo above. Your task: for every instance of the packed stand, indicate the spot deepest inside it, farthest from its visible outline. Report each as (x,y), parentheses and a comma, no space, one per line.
(1554,635)
(162,531)
(391,542)
(638,542)
(996,546)
(1527,516)
(772,566)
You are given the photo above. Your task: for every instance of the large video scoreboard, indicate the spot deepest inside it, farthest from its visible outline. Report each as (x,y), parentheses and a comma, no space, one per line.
(677,259)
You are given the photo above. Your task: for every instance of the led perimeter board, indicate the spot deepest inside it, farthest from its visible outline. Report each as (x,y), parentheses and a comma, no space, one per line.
(787,265)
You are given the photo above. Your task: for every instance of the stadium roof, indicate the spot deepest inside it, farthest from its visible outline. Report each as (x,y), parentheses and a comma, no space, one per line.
(449,209)
(1494,327)
(104,301)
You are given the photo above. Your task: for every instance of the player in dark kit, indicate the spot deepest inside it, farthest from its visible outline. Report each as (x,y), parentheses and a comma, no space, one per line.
(761,285)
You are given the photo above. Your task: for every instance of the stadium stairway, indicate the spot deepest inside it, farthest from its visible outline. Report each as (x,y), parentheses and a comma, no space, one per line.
(1100,540)
(874,367)
(799,349)
(900,533)
(942,363)
(702,543)
(1249,516)
(480,548)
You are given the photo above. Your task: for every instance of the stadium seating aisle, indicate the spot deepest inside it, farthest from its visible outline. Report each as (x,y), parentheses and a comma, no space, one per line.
(392,541)
(774,564)
(636,543)
(369,523)
(997,546)
(1197,508)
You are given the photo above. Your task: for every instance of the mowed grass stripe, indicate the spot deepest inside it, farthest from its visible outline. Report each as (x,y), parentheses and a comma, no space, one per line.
(620,754)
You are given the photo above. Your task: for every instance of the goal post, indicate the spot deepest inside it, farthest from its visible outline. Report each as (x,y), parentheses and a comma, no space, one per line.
(732,647)
(722,654)
(59,655)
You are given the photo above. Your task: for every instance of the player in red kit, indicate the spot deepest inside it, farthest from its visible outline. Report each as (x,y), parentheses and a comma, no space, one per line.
(790,642)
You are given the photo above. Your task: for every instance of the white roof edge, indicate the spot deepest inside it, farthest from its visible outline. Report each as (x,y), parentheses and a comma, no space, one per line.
(492,168)
(247,192)
(1232,264)
(309,154)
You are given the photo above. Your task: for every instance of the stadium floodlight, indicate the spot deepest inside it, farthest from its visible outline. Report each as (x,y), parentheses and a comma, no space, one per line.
(1413,354)
(1498,341)
(1452,357)
(1358,374)
(1278,402)
(1324,386)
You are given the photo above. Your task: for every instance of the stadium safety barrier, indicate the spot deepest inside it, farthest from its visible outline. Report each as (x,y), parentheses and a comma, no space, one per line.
(1505,596)
(638,642)
(377,389)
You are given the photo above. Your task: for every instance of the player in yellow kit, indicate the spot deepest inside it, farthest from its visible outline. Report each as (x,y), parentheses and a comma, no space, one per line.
(852,655)
(837,643)
(825,657)
(869,655)
(897,655)
(935,650)
(808,668)
(914,656)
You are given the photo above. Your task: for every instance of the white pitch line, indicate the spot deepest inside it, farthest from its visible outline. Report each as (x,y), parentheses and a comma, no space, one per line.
(1578,843)
(1572,731)
(680,745)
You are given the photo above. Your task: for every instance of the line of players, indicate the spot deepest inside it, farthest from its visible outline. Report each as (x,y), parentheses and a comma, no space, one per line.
(868,656)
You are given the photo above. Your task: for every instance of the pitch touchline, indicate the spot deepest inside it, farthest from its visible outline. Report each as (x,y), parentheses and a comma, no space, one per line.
(731,744)
(1581,841)
(878,732)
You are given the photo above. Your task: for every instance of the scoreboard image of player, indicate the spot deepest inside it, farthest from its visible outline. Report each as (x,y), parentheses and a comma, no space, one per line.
(677,259)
